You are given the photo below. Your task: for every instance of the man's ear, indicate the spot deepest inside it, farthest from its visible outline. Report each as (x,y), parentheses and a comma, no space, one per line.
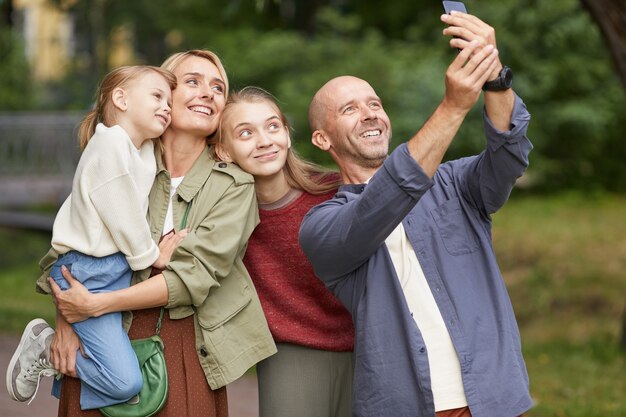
(320,139)
(222,153)
(119,98)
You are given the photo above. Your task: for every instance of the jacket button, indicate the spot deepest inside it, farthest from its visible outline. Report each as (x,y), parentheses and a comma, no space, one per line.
(203,352)
(222,165)
(422,349)
(180,199)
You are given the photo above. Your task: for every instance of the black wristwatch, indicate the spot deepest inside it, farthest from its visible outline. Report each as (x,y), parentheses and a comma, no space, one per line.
(504,81)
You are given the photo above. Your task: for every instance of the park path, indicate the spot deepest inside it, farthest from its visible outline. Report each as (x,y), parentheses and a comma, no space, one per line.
(242,394)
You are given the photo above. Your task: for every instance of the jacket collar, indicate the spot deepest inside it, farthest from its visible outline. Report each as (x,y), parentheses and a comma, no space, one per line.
(195,178)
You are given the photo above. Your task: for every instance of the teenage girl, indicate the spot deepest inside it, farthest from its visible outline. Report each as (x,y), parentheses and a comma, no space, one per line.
(312,372)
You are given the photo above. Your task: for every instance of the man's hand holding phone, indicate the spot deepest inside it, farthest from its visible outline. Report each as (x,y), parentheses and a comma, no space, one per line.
(465,28)
(477,40)
(449,6)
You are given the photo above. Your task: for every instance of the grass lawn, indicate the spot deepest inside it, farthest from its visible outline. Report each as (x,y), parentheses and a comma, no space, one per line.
(564,261)
(19,256)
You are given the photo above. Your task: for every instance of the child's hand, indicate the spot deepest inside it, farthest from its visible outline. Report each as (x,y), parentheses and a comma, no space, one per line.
(167,246)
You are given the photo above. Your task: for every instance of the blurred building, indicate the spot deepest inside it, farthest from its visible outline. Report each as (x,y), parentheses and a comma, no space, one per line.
(52,43)
(48,35)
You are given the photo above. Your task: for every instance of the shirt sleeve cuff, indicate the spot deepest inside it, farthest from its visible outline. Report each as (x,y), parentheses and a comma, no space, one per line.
(144,260)
(178,294)
(520,119)
(407,173)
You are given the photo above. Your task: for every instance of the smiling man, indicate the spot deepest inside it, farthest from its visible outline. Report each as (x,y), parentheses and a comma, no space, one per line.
(352,144)
(406,242)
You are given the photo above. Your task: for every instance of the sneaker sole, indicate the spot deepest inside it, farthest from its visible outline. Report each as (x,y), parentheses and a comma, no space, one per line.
(16,355)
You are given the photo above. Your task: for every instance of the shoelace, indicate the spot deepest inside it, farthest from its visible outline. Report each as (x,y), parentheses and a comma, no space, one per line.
(40,368)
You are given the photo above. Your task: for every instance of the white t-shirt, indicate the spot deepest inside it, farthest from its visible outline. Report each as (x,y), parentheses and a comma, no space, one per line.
(106,211)
(169,217)
(445,369)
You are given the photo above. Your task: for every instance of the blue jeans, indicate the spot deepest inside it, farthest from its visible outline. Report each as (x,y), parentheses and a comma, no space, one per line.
(110,374)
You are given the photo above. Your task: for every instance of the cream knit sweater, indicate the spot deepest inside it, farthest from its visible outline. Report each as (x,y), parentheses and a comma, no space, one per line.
(106,211)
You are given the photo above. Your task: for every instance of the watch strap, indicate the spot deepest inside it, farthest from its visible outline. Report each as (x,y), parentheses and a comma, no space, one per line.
(502,82)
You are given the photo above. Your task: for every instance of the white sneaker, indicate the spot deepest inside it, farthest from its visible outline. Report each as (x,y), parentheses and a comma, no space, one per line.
(30,361)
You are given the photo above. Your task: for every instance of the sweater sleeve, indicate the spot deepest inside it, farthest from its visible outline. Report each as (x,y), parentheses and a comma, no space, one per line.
(116,199)
(119,209)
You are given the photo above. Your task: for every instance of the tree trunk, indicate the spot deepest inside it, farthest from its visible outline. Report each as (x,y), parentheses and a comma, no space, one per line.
(6,13)
(610,15)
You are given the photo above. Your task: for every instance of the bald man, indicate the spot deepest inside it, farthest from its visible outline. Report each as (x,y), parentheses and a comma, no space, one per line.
(406,242)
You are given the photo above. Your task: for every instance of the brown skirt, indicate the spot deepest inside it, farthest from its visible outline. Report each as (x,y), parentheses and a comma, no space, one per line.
(189,392)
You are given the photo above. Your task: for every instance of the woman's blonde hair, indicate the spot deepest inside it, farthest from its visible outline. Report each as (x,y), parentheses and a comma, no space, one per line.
(300,174)
(103,111)
(174,60)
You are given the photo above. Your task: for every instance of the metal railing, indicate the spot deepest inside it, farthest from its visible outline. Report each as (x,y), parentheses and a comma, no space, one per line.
(38,143)
(38,155)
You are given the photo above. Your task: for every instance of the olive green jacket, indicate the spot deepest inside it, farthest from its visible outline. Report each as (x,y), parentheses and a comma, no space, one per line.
(206,276)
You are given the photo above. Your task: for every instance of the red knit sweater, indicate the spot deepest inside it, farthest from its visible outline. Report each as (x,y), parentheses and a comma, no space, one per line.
(298,307)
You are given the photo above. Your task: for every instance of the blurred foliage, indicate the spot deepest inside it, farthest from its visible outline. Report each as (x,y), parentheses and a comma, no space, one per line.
(562,68)
(15,86)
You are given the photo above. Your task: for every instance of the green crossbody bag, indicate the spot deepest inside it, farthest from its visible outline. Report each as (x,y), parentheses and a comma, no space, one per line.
(149,353)
(153,393)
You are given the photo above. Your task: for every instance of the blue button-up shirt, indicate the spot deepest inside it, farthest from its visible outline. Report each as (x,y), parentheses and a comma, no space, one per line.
(448,222)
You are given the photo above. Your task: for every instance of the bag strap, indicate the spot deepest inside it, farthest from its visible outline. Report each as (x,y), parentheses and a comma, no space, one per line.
(183,223)
(158,326)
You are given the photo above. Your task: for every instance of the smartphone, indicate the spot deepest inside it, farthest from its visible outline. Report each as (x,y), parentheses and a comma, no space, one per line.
(448,6)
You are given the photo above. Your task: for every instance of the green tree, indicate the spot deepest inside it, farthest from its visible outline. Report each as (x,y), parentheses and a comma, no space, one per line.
(563,69)
(16,91)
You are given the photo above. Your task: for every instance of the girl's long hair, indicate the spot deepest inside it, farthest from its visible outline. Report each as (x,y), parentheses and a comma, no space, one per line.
(300,174)
(103,110)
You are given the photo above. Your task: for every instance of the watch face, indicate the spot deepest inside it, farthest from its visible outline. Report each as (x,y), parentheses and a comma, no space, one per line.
(504,81)
(507,76)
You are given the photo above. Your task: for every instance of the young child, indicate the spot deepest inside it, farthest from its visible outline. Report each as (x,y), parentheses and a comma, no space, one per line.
(312,372)
(101,235)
